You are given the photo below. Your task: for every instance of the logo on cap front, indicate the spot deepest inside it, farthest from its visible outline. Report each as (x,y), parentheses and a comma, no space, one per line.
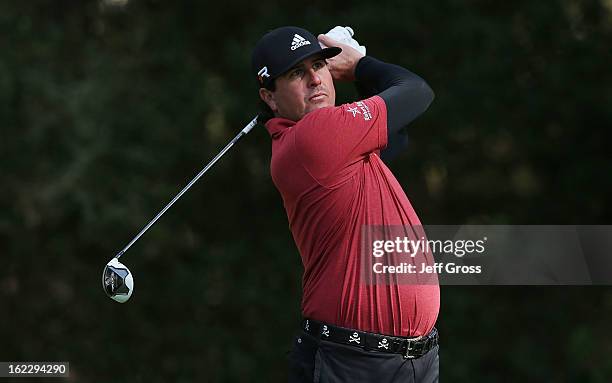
(298,41)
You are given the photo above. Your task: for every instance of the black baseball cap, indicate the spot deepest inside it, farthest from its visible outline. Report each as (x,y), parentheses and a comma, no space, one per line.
(279,50)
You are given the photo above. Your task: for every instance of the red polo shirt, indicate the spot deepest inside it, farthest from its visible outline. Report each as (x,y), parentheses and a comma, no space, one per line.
(329,173)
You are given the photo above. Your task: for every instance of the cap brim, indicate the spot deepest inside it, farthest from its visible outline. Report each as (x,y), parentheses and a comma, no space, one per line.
(330,52)
(325,53)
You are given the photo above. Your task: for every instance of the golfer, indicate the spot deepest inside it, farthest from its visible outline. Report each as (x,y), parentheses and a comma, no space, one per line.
(326,163)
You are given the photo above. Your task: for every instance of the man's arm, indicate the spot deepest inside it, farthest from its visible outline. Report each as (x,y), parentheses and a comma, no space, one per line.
(406,95)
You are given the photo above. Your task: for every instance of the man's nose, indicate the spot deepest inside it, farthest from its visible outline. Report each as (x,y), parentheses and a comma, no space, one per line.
(314,79)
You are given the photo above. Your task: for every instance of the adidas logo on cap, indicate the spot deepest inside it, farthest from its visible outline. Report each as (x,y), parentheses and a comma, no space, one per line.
(298,41)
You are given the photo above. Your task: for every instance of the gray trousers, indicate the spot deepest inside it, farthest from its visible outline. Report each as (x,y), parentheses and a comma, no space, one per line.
(318,361)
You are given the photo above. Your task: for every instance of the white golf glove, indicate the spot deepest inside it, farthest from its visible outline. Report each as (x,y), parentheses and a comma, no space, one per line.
(345,36)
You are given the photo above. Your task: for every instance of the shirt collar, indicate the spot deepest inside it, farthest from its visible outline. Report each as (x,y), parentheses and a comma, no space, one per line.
(276,126)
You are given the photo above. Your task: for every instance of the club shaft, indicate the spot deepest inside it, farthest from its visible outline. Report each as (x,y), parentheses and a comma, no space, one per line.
(243,132)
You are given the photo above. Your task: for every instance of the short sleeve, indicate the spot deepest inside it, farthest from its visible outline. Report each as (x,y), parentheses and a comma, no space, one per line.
(330,139)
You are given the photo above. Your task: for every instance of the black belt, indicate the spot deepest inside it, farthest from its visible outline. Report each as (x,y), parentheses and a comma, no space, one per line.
(410,348)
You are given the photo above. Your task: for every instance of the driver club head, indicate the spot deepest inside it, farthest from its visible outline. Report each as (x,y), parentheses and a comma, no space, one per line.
(117,281)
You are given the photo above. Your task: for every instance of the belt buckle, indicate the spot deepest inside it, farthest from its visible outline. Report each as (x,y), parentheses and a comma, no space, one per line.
(410,348)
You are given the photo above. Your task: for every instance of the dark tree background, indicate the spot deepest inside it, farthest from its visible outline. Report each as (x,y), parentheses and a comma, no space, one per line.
(108,108)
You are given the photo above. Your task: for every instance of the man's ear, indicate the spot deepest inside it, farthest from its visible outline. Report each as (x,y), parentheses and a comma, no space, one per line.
(268,97)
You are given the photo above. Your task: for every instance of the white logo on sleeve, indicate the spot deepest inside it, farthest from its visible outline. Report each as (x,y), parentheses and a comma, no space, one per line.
(361,108)
(355,111)
(298,41)
(367,116)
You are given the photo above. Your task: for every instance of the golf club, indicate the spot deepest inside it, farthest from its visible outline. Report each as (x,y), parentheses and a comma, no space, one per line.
(117,280)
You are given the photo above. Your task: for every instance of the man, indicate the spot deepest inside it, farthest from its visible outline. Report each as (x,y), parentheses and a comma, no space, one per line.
(326,165)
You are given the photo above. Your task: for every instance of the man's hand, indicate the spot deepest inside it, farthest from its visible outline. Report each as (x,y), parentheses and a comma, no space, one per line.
(345,35)
(342,66)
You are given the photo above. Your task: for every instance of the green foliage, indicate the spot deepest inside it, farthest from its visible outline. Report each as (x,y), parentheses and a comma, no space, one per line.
(108,108)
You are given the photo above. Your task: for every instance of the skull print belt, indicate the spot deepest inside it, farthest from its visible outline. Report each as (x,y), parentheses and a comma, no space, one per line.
(409,348)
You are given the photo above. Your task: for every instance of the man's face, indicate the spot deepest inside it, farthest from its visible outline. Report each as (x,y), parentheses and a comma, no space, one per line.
(305,87)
